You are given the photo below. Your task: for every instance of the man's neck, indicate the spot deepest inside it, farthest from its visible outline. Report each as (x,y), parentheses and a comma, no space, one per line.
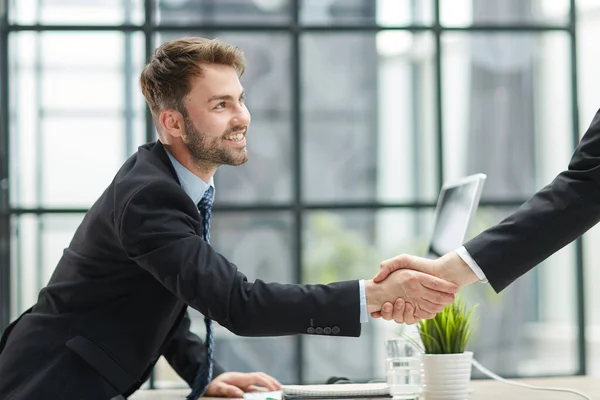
(204,172)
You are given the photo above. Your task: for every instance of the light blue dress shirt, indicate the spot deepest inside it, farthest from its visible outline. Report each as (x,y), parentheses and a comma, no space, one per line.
(195,188)
(190,182)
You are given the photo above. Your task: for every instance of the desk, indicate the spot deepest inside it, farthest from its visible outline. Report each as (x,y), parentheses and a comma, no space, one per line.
(483,390)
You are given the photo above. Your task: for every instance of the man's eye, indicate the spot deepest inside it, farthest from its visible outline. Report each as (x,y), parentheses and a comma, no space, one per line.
(220,105)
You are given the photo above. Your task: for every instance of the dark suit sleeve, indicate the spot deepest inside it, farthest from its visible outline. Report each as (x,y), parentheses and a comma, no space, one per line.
(157,231)
(548,221)
(185,352)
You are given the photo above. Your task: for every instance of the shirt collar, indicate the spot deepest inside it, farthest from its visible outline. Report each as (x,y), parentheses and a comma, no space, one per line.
(193,186)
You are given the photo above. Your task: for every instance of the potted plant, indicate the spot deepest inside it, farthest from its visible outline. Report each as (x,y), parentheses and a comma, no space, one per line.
(446,363)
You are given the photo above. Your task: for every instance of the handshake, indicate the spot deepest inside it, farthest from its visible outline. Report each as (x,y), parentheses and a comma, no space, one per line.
(409,288)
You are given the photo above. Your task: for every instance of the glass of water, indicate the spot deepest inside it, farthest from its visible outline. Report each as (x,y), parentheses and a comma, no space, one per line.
(403,367)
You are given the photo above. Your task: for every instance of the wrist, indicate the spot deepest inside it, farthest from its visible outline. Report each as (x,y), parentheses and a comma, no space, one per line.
(454,269)
(372,295)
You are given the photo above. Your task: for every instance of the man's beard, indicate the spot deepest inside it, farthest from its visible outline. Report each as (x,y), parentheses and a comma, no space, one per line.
(206,151)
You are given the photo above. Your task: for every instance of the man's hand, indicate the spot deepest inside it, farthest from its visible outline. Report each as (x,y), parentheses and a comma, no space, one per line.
(450,268)
(234,384)
(414,293)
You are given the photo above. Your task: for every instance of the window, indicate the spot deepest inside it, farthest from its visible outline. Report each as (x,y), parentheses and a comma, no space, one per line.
(361,109)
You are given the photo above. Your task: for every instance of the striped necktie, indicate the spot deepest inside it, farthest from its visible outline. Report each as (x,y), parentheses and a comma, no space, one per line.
(204,374)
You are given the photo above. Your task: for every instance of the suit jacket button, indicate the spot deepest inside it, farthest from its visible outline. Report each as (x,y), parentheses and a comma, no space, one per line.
(319,330)
(310,330)
(335,330)
(327,330)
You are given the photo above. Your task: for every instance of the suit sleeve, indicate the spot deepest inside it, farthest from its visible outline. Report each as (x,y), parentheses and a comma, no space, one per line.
(548,221)
(157,230)
(185,352)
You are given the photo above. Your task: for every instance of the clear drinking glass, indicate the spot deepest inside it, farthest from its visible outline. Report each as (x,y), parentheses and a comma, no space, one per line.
(403,367)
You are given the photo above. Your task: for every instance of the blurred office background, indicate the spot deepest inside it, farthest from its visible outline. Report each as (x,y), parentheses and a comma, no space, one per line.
(361,109)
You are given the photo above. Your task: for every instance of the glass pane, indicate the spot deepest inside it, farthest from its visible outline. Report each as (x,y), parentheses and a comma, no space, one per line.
(367,12)
(267,175)
(524,330)
(367,117)
(507,109)
(37,245)
(198,12)
(261,246)
(71,12)
(350,245)
(468,12)
(77,113)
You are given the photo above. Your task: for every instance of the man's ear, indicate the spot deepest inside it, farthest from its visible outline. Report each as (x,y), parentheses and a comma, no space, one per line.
(171,122)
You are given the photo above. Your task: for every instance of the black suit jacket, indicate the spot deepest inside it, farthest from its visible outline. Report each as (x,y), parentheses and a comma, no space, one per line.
(117,299)
(551,219)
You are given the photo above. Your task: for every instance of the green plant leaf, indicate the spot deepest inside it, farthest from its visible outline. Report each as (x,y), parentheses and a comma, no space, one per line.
(449,331)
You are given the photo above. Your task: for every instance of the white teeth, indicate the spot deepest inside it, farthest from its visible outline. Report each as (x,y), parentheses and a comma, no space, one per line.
(236,138)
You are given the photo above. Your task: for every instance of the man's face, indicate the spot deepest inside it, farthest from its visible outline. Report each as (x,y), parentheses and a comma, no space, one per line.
(217,120)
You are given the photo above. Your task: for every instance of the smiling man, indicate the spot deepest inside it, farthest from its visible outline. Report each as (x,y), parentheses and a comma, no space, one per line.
(118,298)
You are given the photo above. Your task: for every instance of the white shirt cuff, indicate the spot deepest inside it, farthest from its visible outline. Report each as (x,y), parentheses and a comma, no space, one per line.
(466,257)
(364,315)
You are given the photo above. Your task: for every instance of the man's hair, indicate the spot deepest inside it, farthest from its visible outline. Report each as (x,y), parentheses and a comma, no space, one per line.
(167,78)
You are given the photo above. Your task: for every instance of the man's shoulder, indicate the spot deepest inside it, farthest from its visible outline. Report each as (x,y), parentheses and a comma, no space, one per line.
(147,170)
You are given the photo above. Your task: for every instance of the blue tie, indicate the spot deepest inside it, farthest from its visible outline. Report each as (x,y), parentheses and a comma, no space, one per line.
(204,374)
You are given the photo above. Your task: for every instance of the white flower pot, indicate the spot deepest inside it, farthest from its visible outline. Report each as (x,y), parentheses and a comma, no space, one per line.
(446,376)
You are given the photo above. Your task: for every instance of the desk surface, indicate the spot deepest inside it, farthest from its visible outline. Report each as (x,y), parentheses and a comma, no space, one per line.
(483,390)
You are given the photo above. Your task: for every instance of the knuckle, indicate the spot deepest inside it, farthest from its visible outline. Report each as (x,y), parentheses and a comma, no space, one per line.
(410,274)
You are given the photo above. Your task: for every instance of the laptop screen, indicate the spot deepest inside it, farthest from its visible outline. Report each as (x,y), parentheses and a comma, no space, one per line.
(456,206)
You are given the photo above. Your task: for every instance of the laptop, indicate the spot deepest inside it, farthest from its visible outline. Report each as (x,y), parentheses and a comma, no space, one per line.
(457,202)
